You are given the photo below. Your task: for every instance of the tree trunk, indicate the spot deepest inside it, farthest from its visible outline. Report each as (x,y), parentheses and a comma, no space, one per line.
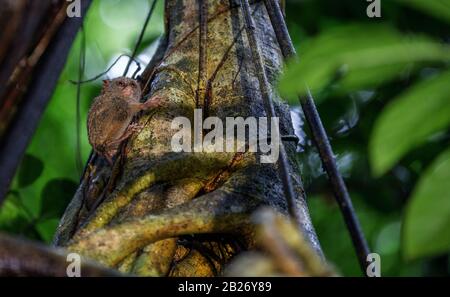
(158,212)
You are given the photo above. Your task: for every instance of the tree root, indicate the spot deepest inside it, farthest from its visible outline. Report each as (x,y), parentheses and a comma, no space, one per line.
(215,212)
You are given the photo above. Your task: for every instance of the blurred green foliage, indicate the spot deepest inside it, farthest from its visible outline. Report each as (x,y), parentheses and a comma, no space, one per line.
(427,217)
(409,120)
(357,56)
(438,8)
(381,87)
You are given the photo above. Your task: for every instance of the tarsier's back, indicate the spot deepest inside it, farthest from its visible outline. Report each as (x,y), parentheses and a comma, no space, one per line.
(108,118)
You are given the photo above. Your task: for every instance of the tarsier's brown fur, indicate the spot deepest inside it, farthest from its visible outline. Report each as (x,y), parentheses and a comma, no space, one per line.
(111,113)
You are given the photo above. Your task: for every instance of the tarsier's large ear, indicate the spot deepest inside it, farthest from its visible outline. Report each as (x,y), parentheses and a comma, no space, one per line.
(105,86)
(105,83)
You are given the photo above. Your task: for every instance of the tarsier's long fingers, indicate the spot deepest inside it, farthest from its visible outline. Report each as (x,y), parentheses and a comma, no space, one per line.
(217,212)
(153,102)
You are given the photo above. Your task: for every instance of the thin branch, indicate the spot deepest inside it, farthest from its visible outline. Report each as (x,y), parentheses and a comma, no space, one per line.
(141,36)
(321,141)
(226,54)
(209,83)
(203,54)
(283,163)
(241,62)
(82,65)
(107,70)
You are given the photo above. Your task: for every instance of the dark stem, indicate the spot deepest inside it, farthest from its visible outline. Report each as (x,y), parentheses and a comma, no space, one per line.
(82,65)
(141,36)
(107,70)
(321,141)
(283,163)
(202,56)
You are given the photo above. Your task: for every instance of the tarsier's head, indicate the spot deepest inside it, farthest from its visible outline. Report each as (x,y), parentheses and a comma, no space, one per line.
(125,86)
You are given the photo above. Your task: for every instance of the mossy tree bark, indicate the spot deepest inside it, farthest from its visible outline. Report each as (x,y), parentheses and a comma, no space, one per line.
(158,212)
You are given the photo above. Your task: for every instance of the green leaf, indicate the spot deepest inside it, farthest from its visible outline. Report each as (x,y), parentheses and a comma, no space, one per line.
(15,218)
(358,57)
(55,197)
(427,220)
(378,75)
(437,8)
(10,210)
(409,120)
(30,169)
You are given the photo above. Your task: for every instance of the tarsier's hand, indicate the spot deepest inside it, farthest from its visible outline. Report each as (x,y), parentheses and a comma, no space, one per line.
(153,102)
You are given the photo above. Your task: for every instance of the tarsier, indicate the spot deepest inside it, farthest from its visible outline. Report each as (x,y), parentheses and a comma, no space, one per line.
(111,113)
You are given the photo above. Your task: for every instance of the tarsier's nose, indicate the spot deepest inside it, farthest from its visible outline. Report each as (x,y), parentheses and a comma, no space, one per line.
(128,90)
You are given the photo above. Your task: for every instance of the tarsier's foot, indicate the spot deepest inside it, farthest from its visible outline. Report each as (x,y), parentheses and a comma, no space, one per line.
(133,128)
